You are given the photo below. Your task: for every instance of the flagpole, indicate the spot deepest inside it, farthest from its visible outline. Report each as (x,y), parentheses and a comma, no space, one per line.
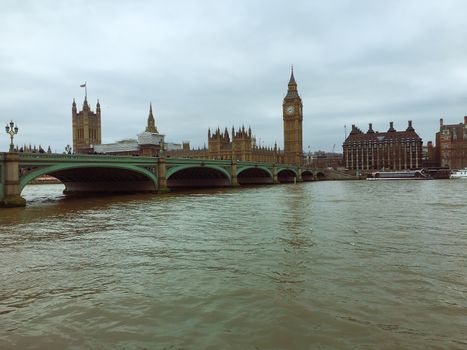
(85,90)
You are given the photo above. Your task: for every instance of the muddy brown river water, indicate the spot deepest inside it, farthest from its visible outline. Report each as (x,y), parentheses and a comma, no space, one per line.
(322,265)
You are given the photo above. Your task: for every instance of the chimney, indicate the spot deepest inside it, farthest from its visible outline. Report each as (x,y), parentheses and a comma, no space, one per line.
(391,127)
(370,129)
(410,128)
(441,122)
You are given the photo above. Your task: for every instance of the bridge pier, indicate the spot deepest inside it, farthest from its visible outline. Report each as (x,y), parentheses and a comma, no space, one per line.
(275,180)
(299,178)
(161,175)
(10,191)
(233,174)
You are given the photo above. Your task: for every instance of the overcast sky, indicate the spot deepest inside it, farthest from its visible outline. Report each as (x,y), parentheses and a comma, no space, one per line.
(222,63)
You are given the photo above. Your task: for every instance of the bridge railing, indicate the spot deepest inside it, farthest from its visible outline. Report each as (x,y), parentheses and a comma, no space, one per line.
(54,157)
(84,158)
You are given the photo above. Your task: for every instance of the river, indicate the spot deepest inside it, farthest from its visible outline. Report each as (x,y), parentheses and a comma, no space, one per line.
(320,265)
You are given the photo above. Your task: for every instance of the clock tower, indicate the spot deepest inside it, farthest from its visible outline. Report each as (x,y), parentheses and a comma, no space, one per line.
(293,116)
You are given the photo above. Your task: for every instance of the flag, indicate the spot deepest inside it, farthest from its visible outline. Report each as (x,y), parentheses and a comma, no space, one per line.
(83,85)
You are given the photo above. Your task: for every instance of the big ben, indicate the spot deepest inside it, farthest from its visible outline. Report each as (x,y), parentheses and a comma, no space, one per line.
(292,111)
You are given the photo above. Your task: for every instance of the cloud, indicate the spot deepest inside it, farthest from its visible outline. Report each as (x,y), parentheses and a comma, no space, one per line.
(210,63)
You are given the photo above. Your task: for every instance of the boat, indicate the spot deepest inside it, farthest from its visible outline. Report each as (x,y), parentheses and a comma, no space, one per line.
(399,175)
(459,174)
(438,173)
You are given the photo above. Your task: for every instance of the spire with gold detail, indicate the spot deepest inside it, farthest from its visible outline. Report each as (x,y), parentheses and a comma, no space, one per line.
(292,92)
(151,122)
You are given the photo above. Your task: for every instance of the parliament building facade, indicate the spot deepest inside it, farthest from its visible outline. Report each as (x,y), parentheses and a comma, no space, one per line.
(238,145)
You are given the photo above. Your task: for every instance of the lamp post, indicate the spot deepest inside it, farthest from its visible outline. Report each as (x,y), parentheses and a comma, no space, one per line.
(68,149)
(161,150)
(12,130)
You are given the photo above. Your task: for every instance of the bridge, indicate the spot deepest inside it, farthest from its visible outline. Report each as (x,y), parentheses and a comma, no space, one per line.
(82,174)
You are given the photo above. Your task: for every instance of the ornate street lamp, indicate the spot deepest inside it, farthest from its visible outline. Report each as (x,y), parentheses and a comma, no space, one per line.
(12,130)
(68,149)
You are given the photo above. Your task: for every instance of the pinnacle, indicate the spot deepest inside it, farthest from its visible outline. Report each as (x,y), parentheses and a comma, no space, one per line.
(292,78)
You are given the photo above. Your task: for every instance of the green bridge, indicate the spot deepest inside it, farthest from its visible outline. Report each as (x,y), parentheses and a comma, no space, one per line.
(117,174)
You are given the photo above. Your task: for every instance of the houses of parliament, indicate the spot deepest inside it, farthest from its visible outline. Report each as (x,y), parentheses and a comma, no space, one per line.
(239,144)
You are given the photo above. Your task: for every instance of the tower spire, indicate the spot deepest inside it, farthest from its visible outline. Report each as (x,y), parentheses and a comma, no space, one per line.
(292,78)
(151,122)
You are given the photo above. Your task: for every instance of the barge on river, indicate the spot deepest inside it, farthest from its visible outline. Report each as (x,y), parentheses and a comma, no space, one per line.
(399,175)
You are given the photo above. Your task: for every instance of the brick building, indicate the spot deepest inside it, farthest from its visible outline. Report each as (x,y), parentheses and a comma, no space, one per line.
(391,150)
(451,145)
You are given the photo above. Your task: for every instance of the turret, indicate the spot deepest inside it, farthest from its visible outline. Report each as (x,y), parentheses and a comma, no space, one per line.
(85,104)
(73,108)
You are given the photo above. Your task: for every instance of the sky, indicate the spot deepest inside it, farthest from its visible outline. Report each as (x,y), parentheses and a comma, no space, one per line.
(207,64)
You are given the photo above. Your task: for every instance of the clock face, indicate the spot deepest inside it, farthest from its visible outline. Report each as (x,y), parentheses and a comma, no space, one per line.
(290,110)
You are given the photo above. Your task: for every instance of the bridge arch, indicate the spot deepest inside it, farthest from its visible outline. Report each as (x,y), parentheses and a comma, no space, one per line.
(307,175)
(285,175)
(194,175)
(320,175)
(82,178)
(254,175)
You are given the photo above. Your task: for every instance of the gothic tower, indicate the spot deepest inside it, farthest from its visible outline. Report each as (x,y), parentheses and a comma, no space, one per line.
(151,121)
(86,127)
(293,117)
